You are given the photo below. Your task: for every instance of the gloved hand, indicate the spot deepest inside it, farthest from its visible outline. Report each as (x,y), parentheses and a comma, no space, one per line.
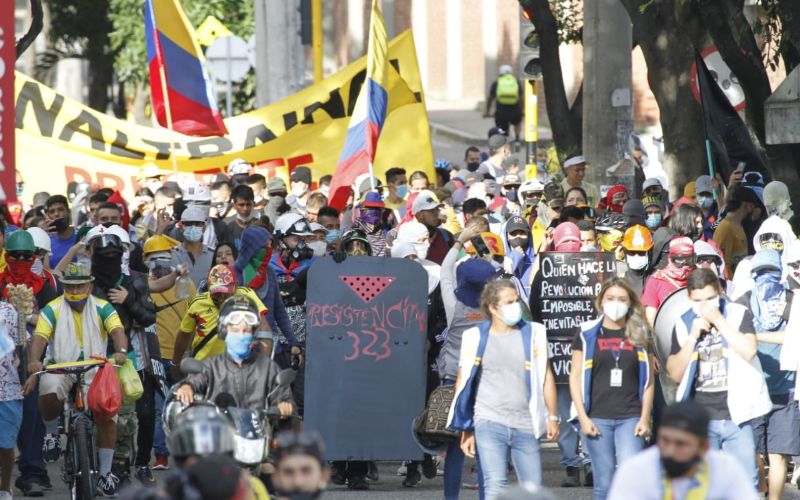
(338,256)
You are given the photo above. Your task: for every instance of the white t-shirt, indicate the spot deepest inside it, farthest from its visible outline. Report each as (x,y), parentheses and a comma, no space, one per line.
(640,478)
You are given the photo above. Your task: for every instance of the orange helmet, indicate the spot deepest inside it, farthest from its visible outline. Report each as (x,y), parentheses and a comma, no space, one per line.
(637,238)
(492,241)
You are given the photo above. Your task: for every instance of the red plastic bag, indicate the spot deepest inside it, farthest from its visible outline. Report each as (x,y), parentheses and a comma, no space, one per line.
(105,396)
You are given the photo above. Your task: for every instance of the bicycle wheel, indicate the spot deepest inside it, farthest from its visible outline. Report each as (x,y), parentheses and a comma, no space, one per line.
(83,472)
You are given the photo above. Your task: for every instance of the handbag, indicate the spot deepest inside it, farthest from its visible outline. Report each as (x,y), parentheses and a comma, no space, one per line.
(436,413)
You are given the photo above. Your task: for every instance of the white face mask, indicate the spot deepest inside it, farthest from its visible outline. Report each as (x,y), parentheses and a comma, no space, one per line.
(636,262)
(319,248)
(324,190)
(512,313)
(299,191)
(711,302)
(37,267)
(253,215)
(422,250)
(615,310)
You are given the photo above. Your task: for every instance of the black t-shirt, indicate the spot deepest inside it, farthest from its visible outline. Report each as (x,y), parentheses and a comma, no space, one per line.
(710,385)
(613,402)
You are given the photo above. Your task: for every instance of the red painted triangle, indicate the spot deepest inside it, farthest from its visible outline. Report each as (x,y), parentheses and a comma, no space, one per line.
(368,287)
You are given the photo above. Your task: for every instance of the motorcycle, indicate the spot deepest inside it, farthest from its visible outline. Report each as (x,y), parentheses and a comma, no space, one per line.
(253,428)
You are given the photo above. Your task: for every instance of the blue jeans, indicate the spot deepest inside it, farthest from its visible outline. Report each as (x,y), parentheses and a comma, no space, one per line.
(738,441)
(31,439)
(568,439)
(159,438)
(494,442)
(615,444)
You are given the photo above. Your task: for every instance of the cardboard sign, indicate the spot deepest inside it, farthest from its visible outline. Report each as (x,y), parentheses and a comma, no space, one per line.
(366,345)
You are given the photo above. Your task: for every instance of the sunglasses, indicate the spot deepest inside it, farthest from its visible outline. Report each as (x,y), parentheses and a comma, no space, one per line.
(708,259)
(20,255)
(532,194)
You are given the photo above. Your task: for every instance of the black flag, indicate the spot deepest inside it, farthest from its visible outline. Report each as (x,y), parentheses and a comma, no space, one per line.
(726,132)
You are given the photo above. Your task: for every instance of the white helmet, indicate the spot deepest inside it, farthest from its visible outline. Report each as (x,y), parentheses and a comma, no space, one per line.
(41,239)
(531,186)
(197,191)
(114,230)
(292,224)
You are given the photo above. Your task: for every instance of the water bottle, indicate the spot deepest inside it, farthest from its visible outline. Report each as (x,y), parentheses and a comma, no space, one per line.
(183,287)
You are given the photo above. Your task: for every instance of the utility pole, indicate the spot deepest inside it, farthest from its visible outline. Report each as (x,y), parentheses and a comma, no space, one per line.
(607,84)
(277,44)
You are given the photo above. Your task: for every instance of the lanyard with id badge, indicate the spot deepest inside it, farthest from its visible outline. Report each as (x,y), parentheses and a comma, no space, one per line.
(616,372)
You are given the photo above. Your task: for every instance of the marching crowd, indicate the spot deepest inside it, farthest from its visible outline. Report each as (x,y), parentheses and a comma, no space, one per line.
(146,280)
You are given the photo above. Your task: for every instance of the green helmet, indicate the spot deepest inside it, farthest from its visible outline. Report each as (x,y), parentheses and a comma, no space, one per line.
(20,241)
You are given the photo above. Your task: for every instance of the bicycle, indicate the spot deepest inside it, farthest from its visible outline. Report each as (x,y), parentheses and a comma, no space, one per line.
(80,457)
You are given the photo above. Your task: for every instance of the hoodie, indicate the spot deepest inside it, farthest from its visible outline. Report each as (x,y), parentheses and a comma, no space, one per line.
(521,263)
(292,292)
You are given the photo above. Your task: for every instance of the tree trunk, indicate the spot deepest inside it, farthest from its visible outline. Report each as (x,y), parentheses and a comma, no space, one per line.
(565,122)
(101,66)
(669,55)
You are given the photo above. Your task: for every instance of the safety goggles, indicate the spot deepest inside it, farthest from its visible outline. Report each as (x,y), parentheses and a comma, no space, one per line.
(683,260)
(20,255)
(107,241)
(301,226)
(237,317)
(589,213)
(707,259)
(532,194)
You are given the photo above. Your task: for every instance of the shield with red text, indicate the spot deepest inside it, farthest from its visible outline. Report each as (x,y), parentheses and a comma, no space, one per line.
(366,335)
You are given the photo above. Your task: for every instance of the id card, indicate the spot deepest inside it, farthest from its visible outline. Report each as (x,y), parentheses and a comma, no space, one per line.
(616,377)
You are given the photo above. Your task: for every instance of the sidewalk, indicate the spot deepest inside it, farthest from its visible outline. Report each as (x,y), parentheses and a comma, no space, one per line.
(463,122)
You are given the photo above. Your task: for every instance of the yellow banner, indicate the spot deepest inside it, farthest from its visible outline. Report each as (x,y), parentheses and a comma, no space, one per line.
(59,141)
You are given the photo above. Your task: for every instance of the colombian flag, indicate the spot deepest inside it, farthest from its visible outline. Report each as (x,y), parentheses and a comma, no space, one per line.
(171,44)
(368,115)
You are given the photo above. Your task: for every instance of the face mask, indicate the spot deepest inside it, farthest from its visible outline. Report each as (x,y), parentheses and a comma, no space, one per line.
(615,310)
(37,267)
(673,468)
(511,195)
(319,248)
(588,248)
(422,249)
(299,191)
(711,302)
(704,202)
(653,221)
(512,314)
(473,166)
(76,299)
(541,166)
(239,346)
(402,191)
(159,269)
(20,188)
(222,208)
(521,241)
(193,233)
(324,190)
(302,252)
(370,215)
(253,215)
(258,199)
(637,262)
(697,233)
(332,236)
(357,251)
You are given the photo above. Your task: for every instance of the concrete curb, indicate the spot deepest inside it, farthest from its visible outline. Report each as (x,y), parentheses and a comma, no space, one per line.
(449,133)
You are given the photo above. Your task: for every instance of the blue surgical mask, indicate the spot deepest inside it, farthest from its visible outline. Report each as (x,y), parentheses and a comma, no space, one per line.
(333,235)
(512,314)
(541,166)
(588,248)
(704,201)
(239,346)
(653,221)
(193,233)
(402,191)
(20,188)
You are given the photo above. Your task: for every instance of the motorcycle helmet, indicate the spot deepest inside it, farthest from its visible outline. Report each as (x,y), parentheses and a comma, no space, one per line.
(201,430)
(235,310)
(292,224)
(356,243)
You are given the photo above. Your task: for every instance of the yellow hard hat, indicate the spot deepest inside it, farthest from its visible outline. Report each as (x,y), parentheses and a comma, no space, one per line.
(159,243)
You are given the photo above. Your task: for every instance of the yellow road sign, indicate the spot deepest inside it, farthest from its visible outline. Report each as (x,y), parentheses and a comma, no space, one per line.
(211,29)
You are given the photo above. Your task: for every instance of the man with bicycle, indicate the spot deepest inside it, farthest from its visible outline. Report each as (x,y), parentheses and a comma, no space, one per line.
(75,336)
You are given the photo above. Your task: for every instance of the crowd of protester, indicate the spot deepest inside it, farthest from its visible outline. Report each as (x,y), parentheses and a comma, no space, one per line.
(477,230)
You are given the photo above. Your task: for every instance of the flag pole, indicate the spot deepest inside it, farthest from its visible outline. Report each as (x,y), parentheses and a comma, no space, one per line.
(698,61)
(172,148)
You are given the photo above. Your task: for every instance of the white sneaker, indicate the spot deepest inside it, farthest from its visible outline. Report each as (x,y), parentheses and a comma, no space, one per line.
(402,470)
(796,476)
(6,495)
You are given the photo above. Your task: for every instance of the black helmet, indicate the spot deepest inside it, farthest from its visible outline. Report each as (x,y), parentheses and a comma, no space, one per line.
(234,310)
(611,220)
(354,235)
(201,430)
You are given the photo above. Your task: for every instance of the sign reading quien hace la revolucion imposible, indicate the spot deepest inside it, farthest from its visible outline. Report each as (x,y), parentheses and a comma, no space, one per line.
(571,282)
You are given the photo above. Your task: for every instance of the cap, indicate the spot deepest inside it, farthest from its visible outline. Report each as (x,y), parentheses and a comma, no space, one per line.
(574,160)
(425,201)
(372,200)
(197,191)
(218,177)
(511,180)
(681,245)
(766,259)
(494,131)
(366,185)
(614,191)
(40,199)
(497,141)
(702,184)
(301,174)
(567,237)
(276,185)
(649,201)
(318,227)
(553,192)
(505,69)
(652,181)
(637,239)
(76,274)
(687,416)
(239,166)
(221,279)
(193,214)
(517,223)
(704,248)
(471,276)
(472,178)
(149,170)
(634,209)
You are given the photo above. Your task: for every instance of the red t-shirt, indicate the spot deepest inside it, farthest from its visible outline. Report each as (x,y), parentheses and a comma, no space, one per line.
(656,291)
(440,245)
